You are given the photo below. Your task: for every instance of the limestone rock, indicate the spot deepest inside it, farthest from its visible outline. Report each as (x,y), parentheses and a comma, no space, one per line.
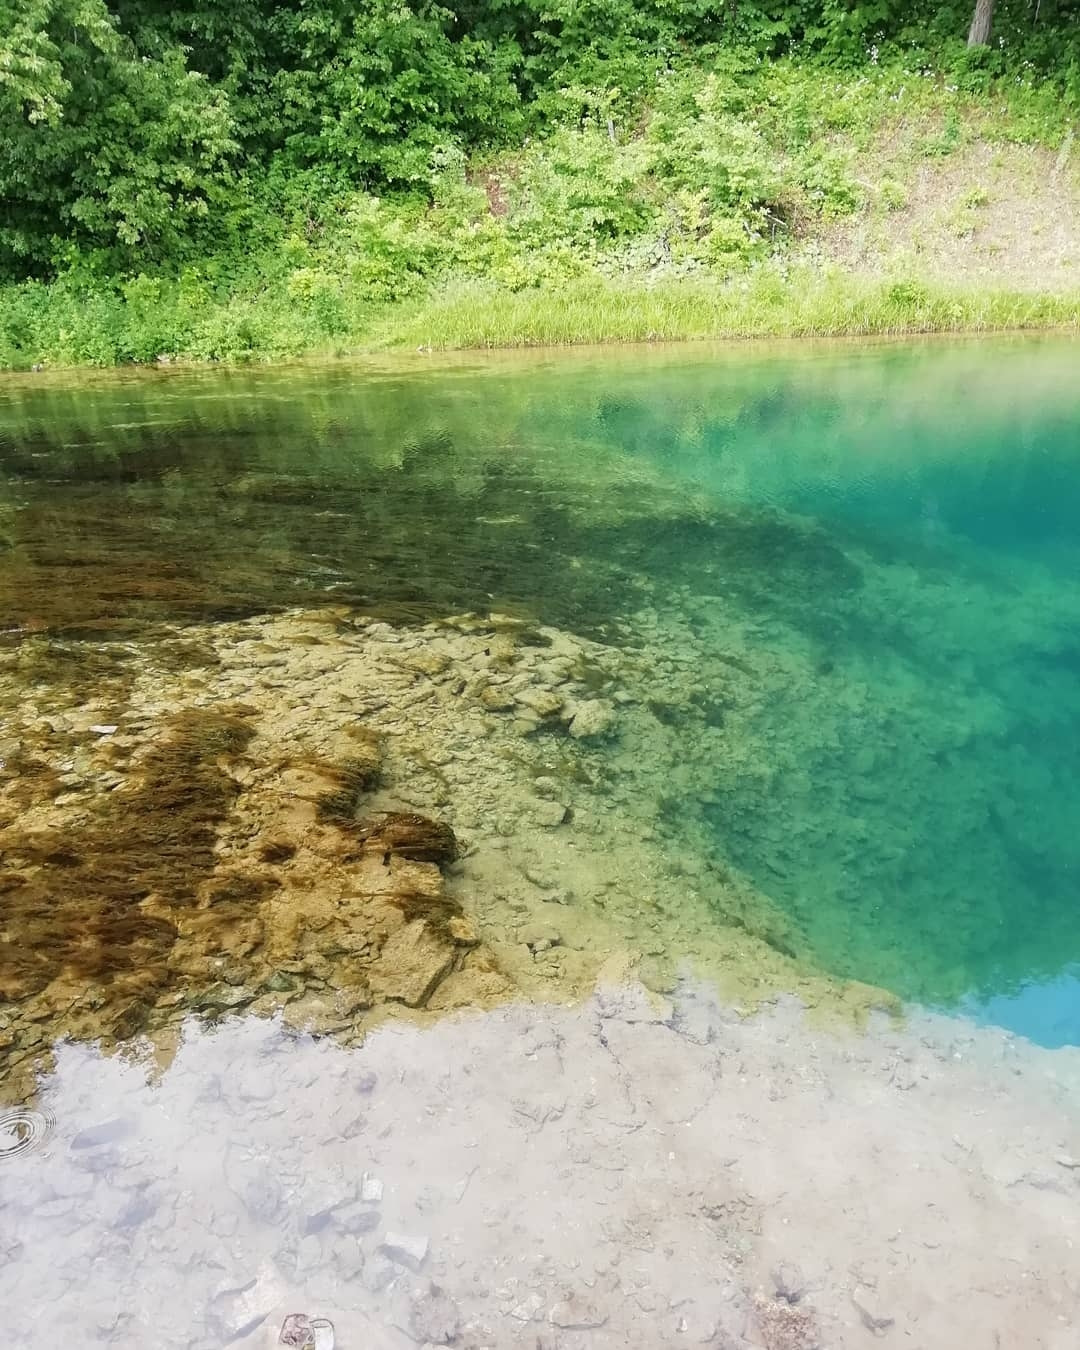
(405,1250)
(543,702)
(411,965)
(496,698)
(592,719)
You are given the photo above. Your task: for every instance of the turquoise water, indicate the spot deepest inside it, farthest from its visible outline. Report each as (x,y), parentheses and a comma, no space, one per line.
(877,552)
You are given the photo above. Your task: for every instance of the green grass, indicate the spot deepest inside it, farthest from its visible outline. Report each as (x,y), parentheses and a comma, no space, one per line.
(769,301)
(767,304)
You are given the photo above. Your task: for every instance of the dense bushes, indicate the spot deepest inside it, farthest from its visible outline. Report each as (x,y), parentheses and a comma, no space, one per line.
(139,132)
(224,177)
(719,178)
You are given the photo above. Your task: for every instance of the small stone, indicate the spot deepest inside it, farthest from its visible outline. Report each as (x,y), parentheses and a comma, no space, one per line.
(870,1318)
(379,1272)
(788,1282)
(260,1192)
(1067,1160)
(101,729)
(371,1189)
(405,1250)
(528,1309)
(592,719)
(357,1218)
(496,698)
(434,1318)
(549,815)
(462,931)
(543,702)
(309,1253)
(347,1255)
(427,662)
(240,1309)
(546,787)
(576,1315)
(539,937)
(412,964)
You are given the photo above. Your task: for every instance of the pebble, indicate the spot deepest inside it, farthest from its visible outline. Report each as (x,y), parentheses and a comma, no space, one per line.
(357,1218)
(405,1250)
(549,815)
(592,719)
(434,1318)
(371,1189)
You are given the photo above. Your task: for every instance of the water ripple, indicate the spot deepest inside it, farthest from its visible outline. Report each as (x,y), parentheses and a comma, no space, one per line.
(23,1129)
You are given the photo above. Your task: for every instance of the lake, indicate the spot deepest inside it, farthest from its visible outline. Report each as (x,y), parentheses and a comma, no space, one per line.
(339,701)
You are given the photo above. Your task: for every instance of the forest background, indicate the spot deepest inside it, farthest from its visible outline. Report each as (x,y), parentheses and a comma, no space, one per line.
(227,180)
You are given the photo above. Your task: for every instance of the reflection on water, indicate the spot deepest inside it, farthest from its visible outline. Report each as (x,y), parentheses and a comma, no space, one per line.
(800,630)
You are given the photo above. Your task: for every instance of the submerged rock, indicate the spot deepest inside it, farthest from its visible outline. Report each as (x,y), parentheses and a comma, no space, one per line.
(405,1250)
(411,965)
(592,719)
(543,702)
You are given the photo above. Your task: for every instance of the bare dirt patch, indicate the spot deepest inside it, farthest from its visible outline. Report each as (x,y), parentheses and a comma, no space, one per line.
(985,215)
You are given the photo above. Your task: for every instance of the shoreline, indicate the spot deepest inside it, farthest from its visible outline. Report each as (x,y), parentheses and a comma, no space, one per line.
(468,321)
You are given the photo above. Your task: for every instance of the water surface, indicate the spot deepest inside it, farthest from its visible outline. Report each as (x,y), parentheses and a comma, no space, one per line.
(863,565)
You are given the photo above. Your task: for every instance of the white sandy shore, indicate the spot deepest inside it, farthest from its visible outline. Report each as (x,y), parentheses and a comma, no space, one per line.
(627,1173)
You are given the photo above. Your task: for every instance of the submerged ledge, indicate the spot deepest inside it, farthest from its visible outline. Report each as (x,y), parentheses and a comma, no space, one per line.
(324,814)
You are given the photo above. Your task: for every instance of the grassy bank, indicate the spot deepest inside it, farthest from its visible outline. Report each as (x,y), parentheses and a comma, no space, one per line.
(744,199)
(767,304)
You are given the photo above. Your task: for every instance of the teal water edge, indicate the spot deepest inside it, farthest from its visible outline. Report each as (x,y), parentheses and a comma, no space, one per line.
(863,564)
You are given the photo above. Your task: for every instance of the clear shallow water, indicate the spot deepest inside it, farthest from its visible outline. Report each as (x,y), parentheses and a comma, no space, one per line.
(874,551)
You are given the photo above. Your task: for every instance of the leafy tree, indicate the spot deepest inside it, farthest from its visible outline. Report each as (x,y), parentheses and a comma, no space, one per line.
(101,146)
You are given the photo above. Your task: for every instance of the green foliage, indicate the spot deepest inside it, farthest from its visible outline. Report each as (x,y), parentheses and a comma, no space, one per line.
(101,147)
(383,85)
(224,179)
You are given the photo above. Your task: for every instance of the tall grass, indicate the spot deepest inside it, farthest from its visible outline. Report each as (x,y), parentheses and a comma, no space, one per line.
(766,305)
(56,327)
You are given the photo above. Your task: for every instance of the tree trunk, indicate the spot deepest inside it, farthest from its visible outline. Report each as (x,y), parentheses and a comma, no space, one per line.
(979,32)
